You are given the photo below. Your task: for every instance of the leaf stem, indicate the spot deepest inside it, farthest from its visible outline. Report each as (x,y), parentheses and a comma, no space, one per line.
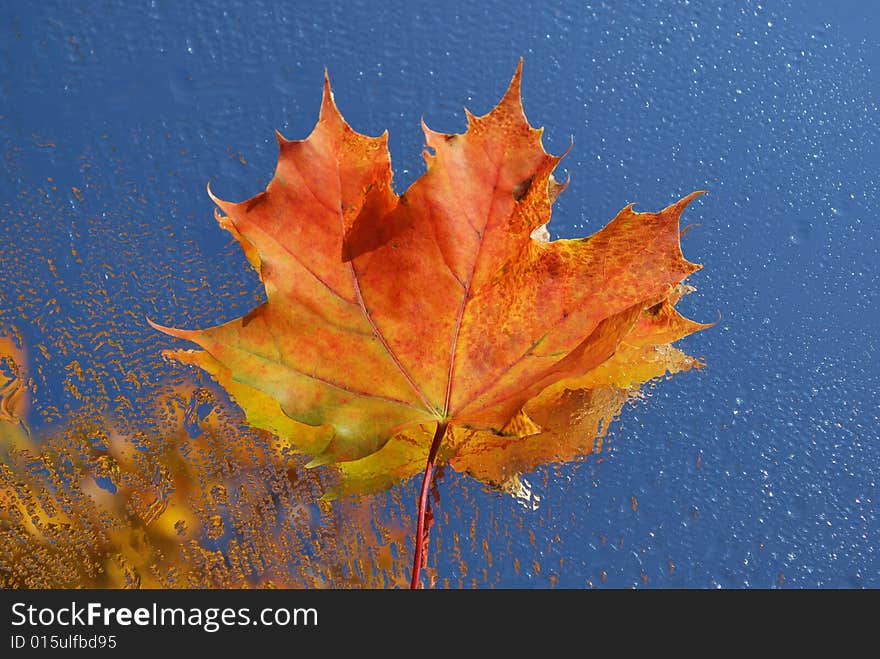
(423,502)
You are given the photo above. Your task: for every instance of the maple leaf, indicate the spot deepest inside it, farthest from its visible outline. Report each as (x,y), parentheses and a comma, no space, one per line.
(393,322)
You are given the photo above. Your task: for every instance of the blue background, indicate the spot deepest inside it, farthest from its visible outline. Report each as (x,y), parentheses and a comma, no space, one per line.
(759,471)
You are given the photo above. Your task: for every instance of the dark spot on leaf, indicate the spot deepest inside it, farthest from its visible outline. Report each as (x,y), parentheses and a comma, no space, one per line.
(256,201)
(246,320)
(522,188)
(371,230)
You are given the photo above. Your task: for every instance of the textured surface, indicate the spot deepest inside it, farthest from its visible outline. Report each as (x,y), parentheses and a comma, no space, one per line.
(759,470)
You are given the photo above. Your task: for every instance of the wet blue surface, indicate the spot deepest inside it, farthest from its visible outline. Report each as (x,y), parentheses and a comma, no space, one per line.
(761,470)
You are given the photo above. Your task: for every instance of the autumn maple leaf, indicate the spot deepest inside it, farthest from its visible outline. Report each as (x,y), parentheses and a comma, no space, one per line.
(393,322)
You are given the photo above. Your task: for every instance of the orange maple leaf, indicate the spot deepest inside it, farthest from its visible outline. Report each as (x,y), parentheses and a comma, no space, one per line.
(391,322)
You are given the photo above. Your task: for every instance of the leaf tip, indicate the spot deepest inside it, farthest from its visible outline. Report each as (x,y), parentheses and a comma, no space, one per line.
(177,333)
(683,203)
(171,331)
(516,81)
(329,110)
(513,96)
(471,117)
(319,460)
(431,135)
(555,188)
(220,203)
